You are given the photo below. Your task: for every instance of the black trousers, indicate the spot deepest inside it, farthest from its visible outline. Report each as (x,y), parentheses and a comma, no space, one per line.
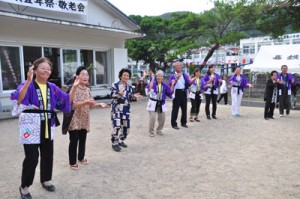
(180,100)
(75,137)
(213,98)
(195,109)
(31,160)
(284,101)
(225,98)
(269,109)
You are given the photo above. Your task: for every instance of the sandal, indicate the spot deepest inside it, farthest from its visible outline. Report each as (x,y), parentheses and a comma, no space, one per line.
(74,167)
(84,161)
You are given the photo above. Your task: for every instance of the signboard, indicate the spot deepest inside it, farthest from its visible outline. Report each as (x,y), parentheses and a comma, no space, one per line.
(75,6)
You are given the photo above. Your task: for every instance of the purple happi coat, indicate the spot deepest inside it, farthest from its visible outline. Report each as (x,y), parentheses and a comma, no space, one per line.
(244,82)
(290,77)
(30,123)
(186,79)
(153,95)
(206,78)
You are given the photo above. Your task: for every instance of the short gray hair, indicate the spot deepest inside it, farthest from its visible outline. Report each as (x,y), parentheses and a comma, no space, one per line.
(178,63)
(160,72)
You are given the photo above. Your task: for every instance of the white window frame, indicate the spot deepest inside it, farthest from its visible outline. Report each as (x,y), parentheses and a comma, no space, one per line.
(62,62)
(21,58)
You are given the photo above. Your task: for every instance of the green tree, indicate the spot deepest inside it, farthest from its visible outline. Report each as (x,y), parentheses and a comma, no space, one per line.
(222,25)
(278,17)
(165,38)
(228,22)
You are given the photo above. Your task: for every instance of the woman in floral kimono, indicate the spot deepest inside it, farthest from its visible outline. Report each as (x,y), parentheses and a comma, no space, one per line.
(157,90)
(122,94)
(80,123)
(34,101)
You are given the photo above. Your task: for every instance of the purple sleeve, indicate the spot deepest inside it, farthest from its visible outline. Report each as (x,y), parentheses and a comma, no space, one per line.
(203,83)
(15,95)
(147,86)
(231,79)
(172,76)
(245,82)
(62,100)
(168,90)
(278,77)
(217,82)
(291,78)
(187,81)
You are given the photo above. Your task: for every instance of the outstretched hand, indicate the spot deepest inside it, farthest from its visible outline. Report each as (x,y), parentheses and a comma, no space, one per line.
(102,105)
(173,82)
(76,81)
(30,73)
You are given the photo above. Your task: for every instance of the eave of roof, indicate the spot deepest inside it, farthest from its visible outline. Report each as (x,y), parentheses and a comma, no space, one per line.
(68,23)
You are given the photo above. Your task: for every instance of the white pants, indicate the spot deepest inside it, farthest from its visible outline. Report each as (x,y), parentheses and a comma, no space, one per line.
(236,100)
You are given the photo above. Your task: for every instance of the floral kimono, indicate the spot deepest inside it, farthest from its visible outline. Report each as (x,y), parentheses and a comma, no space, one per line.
(120,110)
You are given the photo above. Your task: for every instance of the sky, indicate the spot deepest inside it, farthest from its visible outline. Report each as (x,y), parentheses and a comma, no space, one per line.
(159,7)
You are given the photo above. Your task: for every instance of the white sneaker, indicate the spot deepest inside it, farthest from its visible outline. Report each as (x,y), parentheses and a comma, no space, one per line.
(281,115)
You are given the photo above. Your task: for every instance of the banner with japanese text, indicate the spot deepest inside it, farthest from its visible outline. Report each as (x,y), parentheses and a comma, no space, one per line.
(70,6)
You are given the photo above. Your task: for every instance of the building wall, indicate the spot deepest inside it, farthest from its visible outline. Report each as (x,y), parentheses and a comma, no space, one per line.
(254,44)
(98,14)
(27,30)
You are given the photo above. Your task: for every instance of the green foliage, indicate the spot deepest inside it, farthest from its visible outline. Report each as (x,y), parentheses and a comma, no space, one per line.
(228,22)
(192,68)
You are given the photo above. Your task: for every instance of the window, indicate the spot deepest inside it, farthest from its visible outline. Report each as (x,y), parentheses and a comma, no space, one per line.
(30,54)
(10,67)
(70,65)
(246,49)
(86,59)
(249,49)
(252,49)
(296,41)
(101,68)
(54,56)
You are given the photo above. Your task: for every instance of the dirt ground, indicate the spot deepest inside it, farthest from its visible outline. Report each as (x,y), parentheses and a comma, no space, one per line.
(234,158)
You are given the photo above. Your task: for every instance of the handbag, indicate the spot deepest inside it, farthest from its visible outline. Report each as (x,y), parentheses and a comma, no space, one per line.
(67,118)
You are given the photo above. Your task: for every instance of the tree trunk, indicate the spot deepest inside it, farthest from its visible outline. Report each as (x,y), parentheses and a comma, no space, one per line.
(209,54)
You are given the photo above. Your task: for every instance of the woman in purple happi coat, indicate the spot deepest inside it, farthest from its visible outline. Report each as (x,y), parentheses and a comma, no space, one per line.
(210,84)
(238,83)
(34,101)
(157,90)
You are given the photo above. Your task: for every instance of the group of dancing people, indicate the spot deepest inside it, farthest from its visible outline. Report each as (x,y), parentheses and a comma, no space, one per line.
(181,87)
(35,100)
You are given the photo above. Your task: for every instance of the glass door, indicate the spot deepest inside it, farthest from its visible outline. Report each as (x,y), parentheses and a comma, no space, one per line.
(30,54)
(86,59)
(54,56)
(70,65)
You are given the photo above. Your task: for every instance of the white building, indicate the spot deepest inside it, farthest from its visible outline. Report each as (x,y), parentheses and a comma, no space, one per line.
(71,33)
(250,47)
